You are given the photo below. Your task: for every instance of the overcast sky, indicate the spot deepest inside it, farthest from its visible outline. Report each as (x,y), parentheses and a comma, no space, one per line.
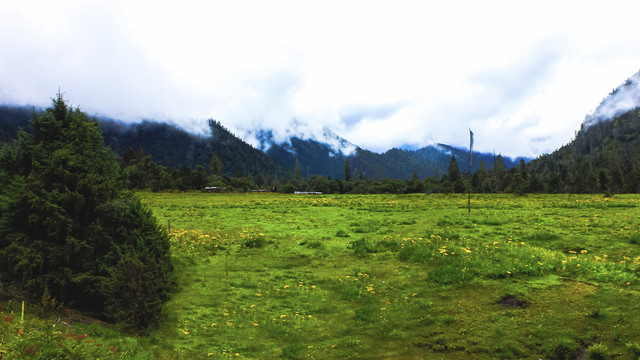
(521,74)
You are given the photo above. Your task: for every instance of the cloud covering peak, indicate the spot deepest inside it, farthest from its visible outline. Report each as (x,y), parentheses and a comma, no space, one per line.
(380,74)
(624,98)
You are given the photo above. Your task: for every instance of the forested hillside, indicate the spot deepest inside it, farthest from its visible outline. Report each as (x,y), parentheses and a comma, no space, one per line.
(318,158)
(11,119)
(603,157)
(173,147)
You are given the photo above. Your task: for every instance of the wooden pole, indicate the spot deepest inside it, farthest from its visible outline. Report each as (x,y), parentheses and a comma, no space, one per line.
(469,179)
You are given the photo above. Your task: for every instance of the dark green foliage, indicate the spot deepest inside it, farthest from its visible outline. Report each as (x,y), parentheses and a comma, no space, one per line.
(11,119)
(139,264)
(297,173)
(254,242)
(597,352)
(563,349)
(221,153)
(215,165)
(342,233)
(347,171)
(603,158)
(454,170)
(363,247)
(66,227)
(393,164)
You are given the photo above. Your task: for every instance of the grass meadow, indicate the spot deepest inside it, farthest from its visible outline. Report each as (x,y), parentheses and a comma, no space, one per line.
(271,276)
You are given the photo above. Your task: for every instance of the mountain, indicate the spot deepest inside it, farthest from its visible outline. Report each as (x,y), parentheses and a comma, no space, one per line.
(604,157)
(622,99)
(13,118)
(324,155)
(169,145)
(605,154)
(315,157)
(173,147)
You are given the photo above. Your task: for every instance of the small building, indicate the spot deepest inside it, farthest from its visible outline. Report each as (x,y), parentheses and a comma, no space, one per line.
(213,189)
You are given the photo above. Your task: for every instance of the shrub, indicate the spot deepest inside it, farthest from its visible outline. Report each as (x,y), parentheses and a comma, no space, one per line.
(315,244)
(254,242)
(597,352)
(342,233)
(634,348)
(563,348)
(363,247)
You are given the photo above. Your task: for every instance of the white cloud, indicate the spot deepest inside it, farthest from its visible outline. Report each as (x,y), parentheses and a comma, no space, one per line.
(381,74)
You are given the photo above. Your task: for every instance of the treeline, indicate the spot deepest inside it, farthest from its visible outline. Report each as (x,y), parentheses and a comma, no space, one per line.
(139,171)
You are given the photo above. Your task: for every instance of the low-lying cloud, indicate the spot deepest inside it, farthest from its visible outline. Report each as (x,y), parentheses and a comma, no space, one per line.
(379,75)
(624,98)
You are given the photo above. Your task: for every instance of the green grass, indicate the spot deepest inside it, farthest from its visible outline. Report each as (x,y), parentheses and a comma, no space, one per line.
(268,276)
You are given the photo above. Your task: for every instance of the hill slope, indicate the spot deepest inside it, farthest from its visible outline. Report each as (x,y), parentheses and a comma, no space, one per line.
(603,157)
(174,147)
(167,144)
(319,158)
(605,154)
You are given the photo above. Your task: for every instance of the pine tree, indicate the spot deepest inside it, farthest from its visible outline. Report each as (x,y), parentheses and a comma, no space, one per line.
(455,177)
(499,174)
(454,170)
(66,226)
(297,172)
(347,171)
(633,179)
(215,165)
(481,176)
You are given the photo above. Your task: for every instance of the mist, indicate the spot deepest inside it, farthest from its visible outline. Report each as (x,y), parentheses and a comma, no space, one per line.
(380,75)
(624,98)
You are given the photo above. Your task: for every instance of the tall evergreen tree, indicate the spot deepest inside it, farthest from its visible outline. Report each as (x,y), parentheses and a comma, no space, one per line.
(347,171)
(499,173)
(633,179)
(455,176)
(297,172)
(482,176)
(215,165)
(67,228)
(454,170)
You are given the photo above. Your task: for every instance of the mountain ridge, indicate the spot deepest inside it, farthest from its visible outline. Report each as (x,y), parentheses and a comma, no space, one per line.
(623,98)
(278,159)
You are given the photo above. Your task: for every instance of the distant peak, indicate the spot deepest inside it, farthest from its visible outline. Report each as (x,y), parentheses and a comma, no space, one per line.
(624,98)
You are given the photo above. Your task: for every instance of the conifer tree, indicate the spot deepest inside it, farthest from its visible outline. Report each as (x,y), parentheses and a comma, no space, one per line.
(454,170)
(67,228)
(347,171)
(297,172)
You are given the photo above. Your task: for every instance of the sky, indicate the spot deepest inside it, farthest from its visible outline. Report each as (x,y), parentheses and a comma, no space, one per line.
(522,75)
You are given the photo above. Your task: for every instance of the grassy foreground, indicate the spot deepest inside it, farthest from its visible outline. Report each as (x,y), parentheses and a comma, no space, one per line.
(267,276)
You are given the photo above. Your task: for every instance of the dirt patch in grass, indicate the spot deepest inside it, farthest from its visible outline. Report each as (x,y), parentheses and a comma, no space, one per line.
(513,301)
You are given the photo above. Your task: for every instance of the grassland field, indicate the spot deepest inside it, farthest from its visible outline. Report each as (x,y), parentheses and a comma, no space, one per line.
(271,276)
